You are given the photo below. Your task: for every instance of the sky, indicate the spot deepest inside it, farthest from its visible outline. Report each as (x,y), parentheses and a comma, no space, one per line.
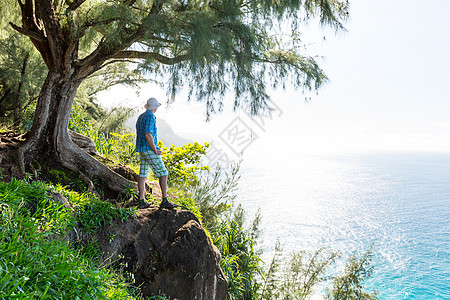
(388,90)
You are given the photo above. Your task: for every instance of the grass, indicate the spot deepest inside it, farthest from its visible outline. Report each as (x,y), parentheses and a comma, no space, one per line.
(98,213)
(35,265)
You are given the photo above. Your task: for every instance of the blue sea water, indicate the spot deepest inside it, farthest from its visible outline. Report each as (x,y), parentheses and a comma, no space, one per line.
(400,202)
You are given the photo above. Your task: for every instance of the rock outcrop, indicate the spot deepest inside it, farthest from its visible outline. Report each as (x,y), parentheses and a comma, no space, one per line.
(169,254)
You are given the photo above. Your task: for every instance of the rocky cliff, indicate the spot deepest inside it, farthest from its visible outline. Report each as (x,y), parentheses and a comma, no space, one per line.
(169,254)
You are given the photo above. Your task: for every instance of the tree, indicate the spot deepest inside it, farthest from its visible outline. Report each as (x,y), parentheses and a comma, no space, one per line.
(350,285)
(21,75)
(211,46)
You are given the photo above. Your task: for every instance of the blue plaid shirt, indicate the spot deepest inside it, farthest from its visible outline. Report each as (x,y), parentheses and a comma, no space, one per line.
(146,123)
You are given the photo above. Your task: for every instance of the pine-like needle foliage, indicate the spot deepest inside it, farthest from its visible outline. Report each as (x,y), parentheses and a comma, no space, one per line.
(350,285)
(210,47)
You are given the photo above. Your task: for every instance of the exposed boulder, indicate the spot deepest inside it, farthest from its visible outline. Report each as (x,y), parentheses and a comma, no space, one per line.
(169,254)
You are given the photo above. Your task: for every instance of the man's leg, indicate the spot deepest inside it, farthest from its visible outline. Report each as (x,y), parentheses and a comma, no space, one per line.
(160,171)
(143,173)
(163,186)
(141,187)
(142,192)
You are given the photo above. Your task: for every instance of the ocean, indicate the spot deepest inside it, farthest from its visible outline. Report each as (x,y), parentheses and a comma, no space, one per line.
(399,202)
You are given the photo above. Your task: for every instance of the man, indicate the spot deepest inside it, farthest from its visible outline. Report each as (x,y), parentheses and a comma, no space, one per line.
(147,146)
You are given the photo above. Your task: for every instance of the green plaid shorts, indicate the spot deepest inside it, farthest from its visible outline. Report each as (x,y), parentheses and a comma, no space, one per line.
(150,160)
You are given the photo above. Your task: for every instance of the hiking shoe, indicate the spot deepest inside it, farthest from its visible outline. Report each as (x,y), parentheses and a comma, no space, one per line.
(167,204)
(143,204)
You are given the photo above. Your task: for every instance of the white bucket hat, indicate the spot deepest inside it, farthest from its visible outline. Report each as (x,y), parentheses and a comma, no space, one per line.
(152,104)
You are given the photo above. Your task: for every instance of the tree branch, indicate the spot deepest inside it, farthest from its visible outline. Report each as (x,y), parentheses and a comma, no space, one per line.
(8,90)
(31,34)
(151,55)
(75,4)
(156,38)
(113,48)
(110,62)
(32,27)
(102,22)
(102,53)
(55,38)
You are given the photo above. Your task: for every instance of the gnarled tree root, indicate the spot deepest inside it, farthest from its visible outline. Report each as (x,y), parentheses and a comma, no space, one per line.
(17,158)
(75,159)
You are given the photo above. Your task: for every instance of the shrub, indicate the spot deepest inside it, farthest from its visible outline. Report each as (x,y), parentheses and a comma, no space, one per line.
(214,194)
(182,163)
(350,285)
(297,277)
(241,262)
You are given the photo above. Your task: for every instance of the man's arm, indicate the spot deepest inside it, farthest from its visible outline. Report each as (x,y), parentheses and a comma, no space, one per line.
(149,138)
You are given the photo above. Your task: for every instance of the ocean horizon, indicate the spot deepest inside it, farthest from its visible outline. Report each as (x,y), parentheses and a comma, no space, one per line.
(399,202)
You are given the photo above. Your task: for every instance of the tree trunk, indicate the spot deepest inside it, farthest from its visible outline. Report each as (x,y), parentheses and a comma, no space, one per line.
(49,139)
(18,106)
